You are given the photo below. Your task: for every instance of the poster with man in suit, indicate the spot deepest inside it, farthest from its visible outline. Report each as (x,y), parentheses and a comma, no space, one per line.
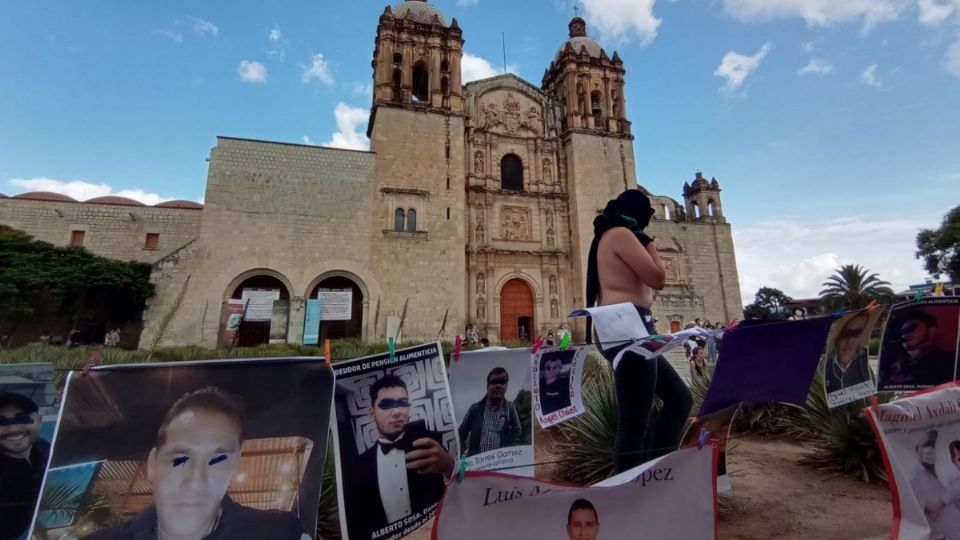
(395,439)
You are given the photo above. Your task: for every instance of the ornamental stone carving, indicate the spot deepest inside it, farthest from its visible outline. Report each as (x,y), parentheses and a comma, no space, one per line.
(480,284)
(515,223)
(553,284)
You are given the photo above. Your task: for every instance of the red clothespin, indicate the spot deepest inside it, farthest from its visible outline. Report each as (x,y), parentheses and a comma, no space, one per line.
(732,325)
(94,360)
(537,343)
(702,439)
(326,352)
(875,404)
(457,345)
(872,305)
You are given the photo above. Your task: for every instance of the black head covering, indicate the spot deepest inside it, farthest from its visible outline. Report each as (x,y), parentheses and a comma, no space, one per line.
(631,209)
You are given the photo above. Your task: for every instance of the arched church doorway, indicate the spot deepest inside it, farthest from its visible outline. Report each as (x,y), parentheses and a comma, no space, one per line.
(352,328)
(516,311)
(262,302)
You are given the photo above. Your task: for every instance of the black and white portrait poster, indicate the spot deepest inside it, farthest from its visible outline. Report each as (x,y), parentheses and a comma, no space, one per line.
(670,497)
(493,404)
(920,436)
(214,449)
(847,375)
(919,348)
(557,380)
(28,416)
(396,441)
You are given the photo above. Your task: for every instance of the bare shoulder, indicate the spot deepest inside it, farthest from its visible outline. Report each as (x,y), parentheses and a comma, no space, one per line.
(618,238)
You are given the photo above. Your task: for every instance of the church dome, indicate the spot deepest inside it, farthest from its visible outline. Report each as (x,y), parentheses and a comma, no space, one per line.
(419,10)
(579,39)
(180,203)
(44,196)
(113,199)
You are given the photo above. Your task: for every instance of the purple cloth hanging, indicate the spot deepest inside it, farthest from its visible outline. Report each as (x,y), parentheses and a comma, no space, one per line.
(762,360)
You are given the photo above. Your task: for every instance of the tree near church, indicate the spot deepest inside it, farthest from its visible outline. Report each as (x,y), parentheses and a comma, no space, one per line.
(853,287)
(769,303)
(40,281)
(940,248)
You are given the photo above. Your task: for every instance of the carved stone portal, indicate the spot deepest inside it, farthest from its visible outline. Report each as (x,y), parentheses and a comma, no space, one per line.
(480,284)
(478,163)
(551,240)
(553,285)
(547,175)
(515,223)
(670,269)
(554,309)
(481,309)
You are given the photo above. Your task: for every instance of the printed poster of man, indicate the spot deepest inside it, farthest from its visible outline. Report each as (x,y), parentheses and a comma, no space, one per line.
(671,497)
(718,426)
(396,441)
(557,379)
(492,401)
(920,435)
(217,449)
(847,374)
(919,348)
(28,415)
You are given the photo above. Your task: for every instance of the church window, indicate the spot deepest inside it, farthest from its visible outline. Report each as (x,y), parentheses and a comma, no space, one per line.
(711,208)
(511,173)
(152,241)
(666,212)
(421,82)
(76,237)
(445,85)
(445,66)
(411,220)
(695,210)
(397,58)
(596,107)
(397,77)
(398,219)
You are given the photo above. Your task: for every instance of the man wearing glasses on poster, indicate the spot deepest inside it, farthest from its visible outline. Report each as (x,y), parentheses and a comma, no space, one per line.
(848,365)
(403,473)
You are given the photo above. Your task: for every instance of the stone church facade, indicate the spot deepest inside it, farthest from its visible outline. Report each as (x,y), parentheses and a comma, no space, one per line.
(474,205)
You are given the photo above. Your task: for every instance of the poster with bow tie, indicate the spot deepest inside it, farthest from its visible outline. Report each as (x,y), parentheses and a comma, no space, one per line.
(395,439)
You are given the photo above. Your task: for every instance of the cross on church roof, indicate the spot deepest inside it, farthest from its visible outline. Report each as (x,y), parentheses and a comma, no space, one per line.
(576,11)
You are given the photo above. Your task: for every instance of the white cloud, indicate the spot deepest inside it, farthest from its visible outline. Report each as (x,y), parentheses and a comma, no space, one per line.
(83,191)
(349,122)
(807,47)
(203,28)
(935,12)
(473,68)
(817,66)
(274,34)
(319,70)
(276,44)
(467,3)
(797,257)
(361,89)
(175,37)
(818,12)
(308,140)
(623,19)
(870,78)
(735,67)
(951,59)
(251,71)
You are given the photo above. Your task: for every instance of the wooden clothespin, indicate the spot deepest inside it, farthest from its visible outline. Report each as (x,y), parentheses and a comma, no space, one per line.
(537,343)
(462,469)
(393,353)
(702,438)
(326,352)
(94,360)
(457,345)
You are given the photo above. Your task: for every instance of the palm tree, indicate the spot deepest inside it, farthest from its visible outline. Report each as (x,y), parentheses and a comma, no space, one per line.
(853,287)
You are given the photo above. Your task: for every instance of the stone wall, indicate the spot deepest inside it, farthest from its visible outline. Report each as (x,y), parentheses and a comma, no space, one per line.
(113,231)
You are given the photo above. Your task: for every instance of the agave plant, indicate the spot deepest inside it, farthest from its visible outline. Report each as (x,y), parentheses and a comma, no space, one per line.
(853,287)
(586,442)
(328,515)
(845,442)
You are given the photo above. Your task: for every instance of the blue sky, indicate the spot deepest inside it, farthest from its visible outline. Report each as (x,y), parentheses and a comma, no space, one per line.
(832,126)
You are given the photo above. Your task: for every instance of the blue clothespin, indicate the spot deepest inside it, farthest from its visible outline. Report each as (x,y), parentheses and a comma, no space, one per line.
(393,354)
(462,470)
(840,312)
(702,439)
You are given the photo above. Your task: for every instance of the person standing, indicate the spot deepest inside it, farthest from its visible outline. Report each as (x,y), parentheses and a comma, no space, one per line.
(623,266)
(492,422)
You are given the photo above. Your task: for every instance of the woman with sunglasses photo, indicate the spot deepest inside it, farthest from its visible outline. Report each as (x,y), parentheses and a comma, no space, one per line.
(847,363)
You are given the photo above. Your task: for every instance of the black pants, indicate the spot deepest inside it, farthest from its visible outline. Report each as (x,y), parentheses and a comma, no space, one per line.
(640,438)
